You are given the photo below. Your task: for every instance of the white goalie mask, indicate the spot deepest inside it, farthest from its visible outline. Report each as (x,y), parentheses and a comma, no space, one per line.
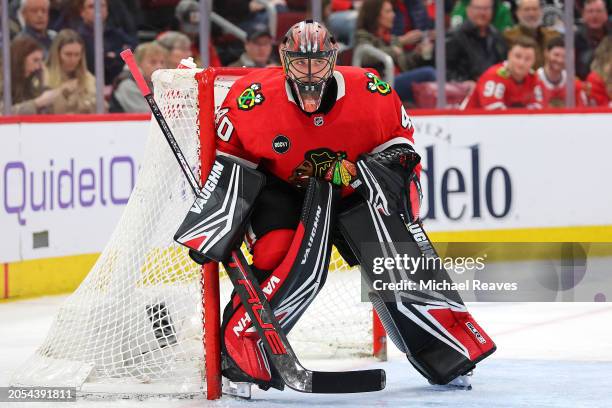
(308,54)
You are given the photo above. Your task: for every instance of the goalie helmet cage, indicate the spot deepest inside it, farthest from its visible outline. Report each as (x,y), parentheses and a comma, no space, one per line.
(146,319)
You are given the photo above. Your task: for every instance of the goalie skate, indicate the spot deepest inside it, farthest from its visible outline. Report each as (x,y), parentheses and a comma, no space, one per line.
(236,389)
(463,382)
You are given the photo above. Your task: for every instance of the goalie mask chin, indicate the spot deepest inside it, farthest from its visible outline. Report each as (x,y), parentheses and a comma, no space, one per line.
(308,54)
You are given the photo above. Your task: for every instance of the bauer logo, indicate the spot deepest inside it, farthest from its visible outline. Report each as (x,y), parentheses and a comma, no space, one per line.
(281,144)
(476,333)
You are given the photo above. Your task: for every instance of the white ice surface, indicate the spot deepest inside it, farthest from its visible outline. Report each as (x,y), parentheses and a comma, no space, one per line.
(549,355)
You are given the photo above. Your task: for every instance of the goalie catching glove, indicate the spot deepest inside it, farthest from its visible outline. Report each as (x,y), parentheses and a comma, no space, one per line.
(383,178)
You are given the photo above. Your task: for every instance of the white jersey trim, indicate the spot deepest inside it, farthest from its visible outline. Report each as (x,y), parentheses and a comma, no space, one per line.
(495,105)
(549,85)
(341,85)
(389,143)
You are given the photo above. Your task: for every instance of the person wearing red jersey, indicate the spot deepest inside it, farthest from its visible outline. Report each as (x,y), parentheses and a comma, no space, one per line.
(553,77)
(600,77)
(510,84)
(332,143)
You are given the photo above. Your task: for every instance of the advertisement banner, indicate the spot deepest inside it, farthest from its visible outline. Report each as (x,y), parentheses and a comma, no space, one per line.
(514,171)
(64,185)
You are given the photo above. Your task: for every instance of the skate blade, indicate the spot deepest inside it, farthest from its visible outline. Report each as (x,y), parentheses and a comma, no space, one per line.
(460,383)
(236,389)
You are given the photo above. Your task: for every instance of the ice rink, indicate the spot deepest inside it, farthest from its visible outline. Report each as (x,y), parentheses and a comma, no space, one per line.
(549,355)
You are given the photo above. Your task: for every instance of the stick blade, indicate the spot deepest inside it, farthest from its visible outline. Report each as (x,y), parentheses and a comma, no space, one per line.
(348,381)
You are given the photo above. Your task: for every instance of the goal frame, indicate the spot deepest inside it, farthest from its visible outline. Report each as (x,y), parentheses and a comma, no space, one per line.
(210,272)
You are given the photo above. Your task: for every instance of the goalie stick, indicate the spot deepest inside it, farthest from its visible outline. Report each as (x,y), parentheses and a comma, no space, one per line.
(272,336)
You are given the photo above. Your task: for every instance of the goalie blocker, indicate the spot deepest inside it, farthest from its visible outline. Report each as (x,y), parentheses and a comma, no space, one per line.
(439,336)
(215,223)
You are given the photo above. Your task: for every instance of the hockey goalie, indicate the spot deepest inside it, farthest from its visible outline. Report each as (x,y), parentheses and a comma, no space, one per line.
(329,160)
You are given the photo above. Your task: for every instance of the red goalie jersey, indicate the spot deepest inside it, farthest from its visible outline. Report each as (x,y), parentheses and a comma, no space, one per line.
(554,94)
(496,89)
(260,124)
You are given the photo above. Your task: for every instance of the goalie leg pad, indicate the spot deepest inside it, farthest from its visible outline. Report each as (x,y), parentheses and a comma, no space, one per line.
(290,288)
(434,329)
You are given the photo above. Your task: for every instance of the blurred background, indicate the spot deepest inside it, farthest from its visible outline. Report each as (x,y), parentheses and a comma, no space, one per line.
(62,56)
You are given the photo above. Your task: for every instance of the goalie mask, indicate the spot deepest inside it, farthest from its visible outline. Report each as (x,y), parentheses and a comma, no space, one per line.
(308,54)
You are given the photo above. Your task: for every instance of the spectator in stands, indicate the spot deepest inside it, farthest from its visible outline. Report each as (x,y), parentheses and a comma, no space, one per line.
(510,84)
(580,6)
(64,14)
(115,40)
(126,96)
(177,45)
(246,13)
(125,14)
(600,78)
(553,77)
(257,49)
(475,45)
(67,70)
(418,15)
(34,17)
(404,23)
(188,15)
(374,24)
(595,26)
(28,91)
(56,11)
(501,15)
(342,19)
(529,15)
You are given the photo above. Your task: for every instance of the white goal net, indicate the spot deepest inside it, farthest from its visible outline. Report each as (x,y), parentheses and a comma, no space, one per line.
(135,324)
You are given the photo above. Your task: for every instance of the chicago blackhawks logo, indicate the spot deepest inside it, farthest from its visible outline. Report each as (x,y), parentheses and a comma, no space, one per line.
(324,164)
(250,97)
(376,84)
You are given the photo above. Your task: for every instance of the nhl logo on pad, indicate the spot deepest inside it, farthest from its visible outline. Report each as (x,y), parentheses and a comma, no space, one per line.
(318,121)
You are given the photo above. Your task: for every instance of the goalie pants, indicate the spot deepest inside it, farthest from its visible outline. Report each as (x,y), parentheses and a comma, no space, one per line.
(276,237)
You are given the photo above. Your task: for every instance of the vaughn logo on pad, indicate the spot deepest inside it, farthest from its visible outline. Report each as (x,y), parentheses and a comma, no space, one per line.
(209,188)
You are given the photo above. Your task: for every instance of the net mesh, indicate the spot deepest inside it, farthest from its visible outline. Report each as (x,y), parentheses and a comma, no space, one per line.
(134,325)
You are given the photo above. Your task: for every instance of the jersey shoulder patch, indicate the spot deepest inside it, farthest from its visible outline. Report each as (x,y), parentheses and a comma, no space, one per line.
(250,97)
(377,85)
(503,72)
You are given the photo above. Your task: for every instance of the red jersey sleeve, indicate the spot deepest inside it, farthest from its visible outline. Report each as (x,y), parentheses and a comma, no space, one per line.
(582,98)
(228,138)
(598,94)
(398,125)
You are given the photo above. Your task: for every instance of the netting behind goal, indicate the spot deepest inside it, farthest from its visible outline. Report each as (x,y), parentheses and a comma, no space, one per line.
(135,324)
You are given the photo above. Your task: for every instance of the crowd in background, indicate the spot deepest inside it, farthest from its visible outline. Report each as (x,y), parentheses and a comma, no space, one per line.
(512,42)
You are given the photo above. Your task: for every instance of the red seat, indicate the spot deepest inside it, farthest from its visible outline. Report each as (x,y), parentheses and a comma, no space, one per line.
(426,93)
